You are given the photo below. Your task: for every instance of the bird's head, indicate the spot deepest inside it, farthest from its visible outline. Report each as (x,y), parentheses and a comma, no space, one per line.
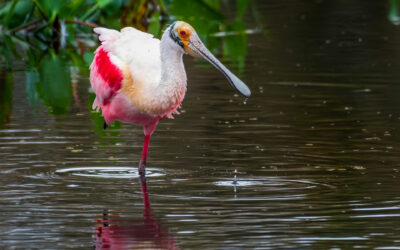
(186,37)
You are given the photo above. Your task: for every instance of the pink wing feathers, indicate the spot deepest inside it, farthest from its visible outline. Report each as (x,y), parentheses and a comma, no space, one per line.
(105,76)
(128,47)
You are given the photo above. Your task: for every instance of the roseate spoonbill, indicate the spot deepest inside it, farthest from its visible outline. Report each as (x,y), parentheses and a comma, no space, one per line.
(141,80)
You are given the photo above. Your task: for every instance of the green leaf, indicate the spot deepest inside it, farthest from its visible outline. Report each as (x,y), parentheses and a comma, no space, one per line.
(10,12)
(73,9)
(11,47)
(15,13)
(88,57)
(201,16)
(98,121)
(55,83)
(241,6)
(89,12)
(213,43)
(109,5)
(7,51)
(109,22)
(215,4)
(235,46)
(33,56)
(103,3)
(75,58)
(51,8)
(154,26)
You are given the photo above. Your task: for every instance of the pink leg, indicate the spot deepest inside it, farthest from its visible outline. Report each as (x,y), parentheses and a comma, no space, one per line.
(142,163)
(148,131)
(146,203)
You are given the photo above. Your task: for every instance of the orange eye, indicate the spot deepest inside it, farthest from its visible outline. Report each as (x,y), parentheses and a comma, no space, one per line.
(182,32)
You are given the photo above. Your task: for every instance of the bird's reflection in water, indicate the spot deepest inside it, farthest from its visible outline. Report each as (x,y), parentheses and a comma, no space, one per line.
(112,232)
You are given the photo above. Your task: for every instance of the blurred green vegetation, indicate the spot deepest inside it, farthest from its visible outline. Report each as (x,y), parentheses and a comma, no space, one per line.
(394,12)
(53,38)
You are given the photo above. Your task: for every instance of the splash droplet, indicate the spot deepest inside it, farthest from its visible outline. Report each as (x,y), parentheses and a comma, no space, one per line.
(235,182)
(245,101)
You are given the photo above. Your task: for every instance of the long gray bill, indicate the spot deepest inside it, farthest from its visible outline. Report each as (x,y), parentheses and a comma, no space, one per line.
(198,47)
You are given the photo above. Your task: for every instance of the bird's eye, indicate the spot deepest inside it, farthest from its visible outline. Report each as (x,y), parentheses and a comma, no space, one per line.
(182,32)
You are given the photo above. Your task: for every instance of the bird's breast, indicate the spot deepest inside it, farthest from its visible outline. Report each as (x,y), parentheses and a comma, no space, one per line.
(153,98)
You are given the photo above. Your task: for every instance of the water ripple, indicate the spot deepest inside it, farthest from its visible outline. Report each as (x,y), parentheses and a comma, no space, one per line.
(110,172)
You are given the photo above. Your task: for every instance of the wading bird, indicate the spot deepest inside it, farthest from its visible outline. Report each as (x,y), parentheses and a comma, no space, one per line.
(141,80)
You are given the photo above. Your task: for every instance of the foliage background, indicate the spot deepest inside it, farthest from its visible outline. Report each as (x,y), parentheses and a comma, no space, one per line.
(54,39)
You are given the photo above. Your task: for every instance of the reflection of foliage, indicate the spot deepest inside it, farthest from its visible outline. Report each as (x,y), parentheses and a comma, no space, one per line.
(32,79)
(5,96)
(98,121)
(49,77)
(55,82)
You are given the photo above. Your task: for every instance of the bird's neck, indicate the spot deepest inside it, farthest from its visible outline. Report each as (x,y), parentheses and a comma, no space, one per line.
(172,68)
(171,89)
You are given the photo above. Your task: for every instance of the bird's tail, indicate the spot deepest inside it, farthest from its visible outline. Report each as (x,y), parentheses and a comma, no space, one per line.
(107,35)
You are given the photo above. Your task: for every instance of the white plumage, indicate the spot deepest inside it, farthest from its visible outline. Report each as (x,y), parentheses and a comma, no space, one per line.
(141,51)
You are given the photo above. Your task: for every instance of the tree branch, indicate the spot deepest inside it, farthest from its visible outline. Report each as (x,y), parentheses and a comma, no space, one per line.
(92,25)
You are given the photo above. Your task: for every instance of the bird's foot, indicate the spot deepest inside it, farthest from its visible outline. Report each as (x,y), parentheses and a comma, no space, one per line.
(142,168)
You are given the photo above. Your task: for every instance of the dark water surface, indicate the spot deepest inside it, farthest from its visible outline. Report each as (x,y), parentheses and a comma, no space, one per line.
(316,149)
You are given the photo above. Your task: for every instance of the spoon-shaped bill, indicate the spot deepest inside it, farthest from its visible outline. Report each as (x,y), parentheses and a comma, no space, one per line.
(198,48)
